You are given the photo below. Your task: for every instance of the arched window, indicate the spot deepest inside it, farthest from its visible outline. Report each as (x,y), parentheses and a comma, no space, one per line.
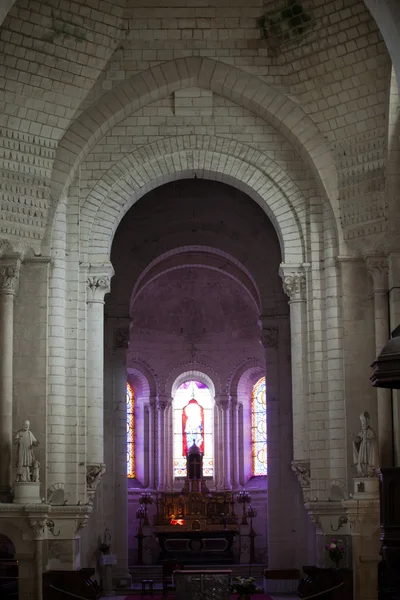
(259,428)
(130,431)
(193,420)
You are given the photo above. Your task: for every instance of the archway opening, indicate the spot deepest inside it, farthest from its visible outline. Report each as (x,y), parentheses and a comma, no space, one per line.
(8,569)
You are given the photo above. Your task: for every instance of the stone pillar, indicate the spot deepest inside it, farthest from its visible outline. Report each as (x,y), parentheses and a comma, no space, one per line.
(235,442)
(38,527)
(98,284)
(120,537)
(276,547)
(378,269)
(152,443)
(226,440)
(9,274)
(294,286)
(161,464)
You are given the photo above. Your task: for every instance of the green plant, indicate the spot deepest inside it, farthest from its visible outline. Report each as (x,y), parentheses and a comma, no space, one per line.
(241,585)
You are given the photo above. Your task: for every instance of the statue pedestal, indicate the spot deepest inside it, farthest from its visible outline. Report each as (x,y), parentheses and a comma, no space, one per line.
(27,492)
(366,488)
(107,561)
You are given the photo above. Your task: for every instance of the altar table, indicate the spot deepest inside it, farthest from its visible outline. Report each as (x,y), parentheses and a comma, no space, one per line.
(202,585)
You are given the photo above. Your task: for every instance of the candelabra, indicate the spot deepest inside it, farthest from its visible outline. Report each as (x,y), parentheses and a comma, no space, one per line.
(244,498)
(140,515)
(252,513)
(145,499)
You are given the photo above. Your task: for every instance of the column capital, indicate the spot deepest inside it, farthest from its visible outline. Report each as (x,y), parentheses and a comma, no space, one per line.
(9,275)
(98,283)
(269,337)
(38,526)
(223,401)
(378,268)
(294,281)
(163,402)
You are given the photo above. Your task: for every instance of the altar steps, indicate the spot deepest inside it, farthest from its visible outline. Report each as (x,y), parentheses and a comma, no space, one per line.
(154,572)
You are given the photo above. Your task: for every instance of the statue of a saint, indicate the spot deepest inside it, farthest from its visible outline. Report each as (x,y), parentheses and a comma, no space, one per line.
(25,441)
(365,449)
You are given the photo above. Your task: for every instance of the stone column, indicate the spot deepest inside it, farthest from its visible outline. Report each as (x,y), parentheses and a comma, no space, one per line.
(226,440)
(235,442)
(294,286)
(9,274)
(38,527)
(152,442)
(161,464)
(120,537)
(378,269)
(98,284)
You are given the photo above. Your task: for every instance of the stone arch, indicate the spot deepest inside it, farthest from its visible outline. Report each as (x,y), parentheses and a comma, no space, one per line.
(245,376)
(198,257)
(18,534)
(212,158)
(192,370)
(142,380)
(225,80)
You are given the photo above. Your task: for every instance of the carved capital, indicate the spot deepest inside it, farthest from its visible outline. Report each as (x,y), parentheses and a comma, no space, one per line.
(294,282)
(94,473)
(301,468)
(97,287)
(162,403)
(378,268)
(121,337)
(38,527)
(83,522)
(9,276)
(224,401)
(269,338)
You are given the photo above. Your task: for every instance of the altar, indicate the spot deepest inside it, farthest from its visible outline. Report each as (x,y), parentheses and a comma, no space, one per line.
(202,585)
(195,526)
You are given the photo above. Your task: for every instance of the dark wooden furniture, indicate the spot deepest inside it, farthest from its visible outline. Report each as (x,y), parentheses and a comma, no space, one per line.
(147,586)
(168,576)
(329,584)
(389,568)
(196,547)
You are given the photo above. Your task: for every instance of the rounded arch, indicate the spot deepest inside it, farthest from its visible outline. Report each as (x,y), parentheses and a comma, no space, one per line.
(199,257)
(142,380)
(210,158)
(198,372)
(18,534)
(244,377)
(223,79)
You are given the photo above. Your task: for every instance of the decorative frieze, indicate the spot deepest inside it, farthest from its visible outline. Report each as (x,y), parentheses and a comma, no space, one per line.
(294,286)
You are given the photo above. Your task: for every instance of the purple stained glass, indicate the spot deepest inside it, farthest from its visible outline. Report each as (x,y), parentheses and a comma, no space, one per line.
(259,428)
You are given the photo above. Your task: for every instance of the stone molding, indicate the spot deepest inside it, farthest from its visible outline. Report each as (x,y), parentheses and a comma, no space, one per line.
(162,403)
(223,401)
(302,470)
(38,527)
(378,268)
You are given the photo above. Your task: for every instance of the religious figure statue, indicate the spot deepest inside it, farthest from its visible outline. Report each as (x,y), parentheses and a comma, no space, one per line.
(365,449)
(35,470)
(25,441)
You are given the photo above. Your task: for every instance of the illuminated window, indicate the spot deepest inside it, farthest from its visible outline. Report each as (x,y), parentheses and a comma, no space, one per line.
(193,420)
(130,430)
(259,428)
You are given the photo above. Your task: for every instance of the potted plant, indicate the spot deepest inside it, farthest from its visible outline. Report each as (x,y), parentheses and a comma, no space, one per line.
(336,551)
(244,587)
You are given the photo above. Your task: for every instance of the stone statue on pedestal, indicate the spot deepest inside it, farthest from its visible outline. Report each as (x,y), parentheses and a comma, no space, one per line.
(365,449)
(25,462)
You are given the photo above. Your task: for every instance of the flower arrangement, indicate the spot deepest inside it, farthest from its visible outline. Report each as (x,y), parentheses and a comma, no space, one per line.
(243,586)
(336,551)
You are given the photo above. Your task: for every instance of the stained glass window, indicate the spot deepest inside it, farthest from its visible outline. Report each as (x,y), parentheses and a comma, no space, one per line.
(259,428)
(193,420)
(130,430)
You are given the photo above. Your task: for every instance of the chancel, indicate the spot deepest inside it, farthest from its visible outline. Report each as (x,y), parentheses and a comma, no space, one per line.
(199,262)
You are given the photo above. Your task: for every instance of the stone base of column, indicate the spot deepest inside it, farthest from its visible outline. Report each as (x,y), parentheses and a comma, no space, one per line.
(27,492)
